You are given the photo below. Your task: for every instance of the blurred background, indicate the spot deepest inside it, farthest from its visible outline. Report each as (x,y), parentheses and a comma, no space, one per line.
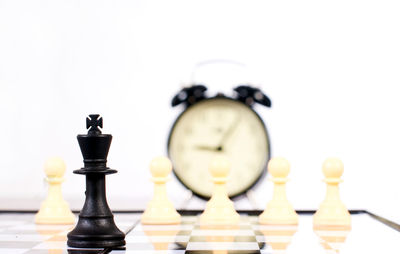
(331,69)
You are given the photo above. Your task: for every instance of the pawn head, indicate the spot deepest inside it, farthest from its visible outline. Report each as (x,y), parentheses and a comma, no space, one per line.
(332,168)
(219,166)
(278,167)
(54,167)
(160,166)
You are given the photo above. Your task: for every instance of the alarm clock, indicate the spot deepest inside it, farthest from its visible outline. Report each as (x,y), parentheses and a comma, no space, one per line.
(219,125)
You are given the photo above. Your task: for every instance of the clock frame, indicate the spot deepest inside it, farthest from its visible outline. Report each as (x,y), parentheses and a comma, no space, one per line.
(200,99)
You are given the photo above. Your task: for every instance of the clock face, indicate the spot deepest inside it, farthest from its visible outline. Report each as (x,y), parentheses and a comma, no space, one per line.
(218,126)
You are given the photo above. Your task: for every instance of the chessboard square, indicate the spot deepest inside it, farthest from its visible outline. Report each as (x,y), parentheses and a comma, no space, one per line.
(6,223)
(44,228)
(157,239)
(222,227)
(222,233)
(63,233)
(58,238)
(48,232)
(224,252)
(85,251)
(153,246)
(331,233)
(127,217)
(17,245)
(58,245)
(184,227)
(274,239)
(248,246)
(241,224)
(270,251)
(222,239)
(277,228)
(48,252)
(125,228)
(150,252)
(155,233)
(139,246)
(189,219)
(18,232)
(13,251)
(23,238)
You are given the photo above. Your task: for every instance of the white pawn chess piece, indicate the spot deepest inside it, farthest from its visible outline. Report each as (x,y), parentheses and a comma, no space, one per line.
(160,209)
(54,209)
(332,212)
(279,211)
(220,209)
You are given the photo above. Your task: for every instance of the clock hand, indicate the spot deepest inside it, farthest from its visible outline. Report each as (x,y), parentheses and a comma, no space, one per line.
(229,132)
(209,148)
(222,141)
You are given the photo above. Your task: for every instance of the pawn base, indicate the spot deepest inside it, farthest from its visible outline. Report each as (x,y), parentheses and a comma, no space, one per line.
(95,243)
(332,216)
(280,214)
(219,216)
(96,233)
(162,215)
(54,214)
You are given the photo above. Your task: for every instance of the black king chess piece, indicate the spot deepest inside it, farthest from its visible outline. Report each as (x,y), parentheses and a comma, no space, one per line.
(96,227)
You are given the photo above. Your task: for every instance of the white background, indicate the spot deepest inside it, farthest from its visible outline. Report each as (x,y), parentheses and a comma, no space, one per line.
(331,69)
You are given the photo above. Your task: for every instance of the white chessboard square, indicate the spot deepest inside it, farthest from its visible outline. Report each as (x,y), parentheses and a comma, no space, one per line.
(6,223)
(182,227)
(284,252)
(23,238)
(63,233)
(13,251)
(157,239)
(274,239)
(222,246)
(186,219)
(218,232)
(148,252)
(240,224)
(59,245)
(275,227)
(41,227)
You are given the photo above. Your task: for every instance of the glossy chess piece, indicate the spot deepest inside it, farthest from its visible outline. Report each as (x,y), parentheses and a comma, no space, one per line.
(279,210)
(54,209)
(160,209)
(96,227)
(332,212)
(220,209)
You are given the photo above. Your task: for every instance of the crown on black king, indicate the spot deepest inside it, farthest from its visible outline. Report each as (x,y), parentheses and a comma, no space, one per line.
(96,227)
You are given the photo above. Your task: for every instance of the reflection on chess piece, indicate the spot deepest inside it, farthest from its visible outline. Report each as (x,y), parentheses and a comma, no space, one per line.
(279,211)
(54,210)
(332,212)
(52,234)
(161,236)
(332,239)
(219,209)
(160,209)
(220,234)
(278,237)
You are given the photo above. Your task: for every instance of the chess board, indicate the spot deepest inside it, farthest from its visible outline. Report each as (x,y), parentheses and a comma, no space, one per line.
(369,234)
